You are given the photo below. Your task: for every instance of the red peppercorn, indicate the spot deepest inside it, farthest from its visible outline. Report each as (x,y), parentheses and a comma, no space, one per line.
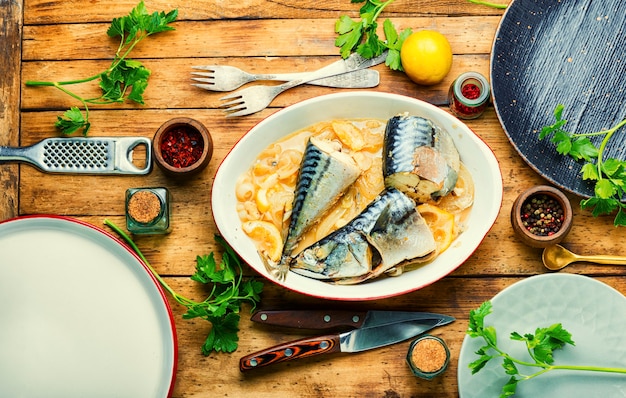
(182,147)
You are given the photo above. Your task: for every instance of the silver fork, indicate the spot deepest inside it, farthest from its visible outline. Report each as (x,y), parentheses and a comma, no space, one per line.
(228,78)
(253,99)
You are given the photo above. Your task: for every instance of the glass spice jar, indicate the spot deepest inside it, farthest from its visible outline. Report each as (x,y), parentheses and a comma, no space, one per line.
(148,210)
(428,356)
(468,95)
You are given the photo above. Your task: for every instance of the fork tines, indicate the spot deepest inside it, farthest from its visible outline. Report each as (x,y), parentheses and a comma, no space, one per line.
(206,79)
(236,107)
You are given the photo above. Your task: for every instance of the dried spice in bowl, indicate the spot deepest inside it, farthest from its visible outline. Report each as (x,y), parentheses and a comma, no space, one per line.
(541,216)
(182,147)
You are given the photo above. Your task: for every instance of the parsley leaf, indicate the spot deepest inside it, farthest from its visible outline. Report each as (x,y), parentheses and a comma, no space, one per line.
(608,175)
(540,346)
(360,36)
(125,79)
(223,334)
(72,120)
(228,291)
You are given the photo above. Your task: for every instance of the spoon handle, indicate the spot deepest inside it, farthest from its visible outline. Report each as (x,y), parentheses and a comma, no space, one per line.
(604,259)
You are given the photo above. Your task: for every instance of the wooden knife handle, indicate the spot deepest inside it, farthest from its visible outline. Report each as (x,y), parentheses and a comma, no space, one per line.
(310,319)
(303,348)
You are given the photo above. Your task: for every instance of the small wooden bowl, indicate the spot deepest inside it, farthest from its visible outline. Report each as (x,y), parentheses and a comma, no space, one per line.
(191,126)
(530,238)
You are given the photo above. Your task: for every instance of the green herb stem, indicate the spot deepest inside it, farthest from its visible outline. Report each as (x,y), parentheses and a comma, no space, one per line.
(547,367)
(59,85)
(132,244)
(381,6)
(540,346)
(587,368)
(516,360)
(124,78)
(609,133)
(114,65)
(607,174)
(221,308)
(62,83)
(488,4)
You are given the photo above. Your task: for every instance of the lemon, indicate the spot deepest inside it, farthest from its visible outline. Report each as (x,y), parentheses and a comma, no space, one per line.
(262,201)
(426,57)
(266,237)
(440,222)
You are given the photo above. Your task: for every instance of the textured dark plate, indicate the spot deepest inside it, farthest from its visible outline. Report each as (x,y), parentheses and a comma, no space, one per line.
(570,52)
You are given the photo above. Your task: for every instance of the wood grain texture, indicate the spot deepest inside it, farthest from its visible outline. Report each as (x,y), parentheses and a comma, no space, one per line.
(312,319)
(39,12)
(170,86)
(66,40)
(378,373)
(299,349)
(250,38)
(10,71)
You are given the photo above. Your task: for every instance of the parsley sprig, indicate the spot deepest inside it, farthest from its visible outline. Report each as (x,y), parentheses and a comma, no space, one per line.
(124,78)
(540,346)
(360,35)
(609,174)
(228,291)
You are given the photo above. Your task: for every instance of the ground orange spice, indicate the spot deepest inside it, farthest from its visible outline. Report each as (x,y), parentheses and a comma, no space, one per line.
(144,206)
(429,355)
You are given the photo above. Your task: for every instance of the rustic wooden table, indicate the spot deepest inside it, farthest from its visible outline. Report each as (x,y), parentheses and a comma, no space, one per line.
(62,40)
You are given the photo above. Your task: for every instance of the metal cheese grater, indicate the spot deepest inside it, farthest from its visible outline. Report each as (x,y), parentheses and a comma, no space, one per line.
(85,155)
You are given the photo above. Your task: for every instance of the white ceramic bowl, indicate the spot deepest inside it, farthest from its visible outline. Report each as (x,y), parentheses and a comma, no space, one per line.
(475,154)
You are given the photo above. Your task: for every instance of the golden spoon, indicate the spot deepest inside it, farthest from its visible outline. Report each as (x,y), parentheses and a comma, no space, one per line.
(557,257)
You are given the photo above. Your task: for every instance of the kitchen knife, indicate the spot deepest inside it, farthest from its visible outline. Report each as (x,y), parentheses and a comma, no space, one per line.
(329,319)
(356,340)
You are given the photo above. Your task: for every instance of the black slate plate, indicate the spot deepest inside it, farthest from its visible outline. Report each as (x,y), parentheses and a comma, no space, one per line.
(570,52)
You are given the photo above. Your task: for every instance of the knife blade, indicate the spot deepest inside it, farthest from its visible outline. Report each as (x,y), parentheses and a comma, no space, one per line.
(356,340)
(330,319)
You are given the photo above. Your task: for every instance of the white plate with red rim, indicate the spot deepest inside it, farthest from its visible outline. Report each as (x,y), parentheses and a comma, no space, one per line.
(476,155)
(81,315)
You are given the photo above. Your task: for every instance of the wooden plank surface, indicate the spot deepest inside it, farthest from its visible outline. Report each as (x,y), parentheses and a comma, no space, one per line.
(51,12)
(10,67)
(257,38)
(63,40)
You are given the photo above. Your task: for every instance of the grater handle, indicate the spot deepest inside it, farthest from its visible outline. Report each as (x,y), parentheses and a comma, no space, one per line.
(124,155)
(19,154)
